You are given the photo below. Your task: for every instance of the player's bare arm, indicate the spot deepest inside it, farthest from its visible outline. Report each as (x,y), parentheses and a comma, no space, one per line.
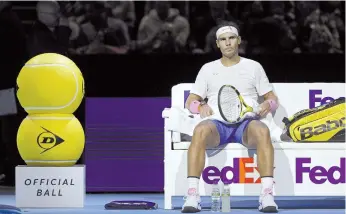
(191,98)
(269,104)
(270,96)
(197,105)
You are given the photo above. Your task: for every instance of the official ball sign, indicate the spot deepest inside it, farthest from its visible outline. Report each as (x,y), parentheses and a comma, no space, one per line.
(50,187)
(55,184)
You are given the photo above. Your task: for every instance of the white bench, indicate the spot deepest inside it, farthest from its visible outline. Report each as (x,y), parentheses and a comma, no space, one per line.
(235,162)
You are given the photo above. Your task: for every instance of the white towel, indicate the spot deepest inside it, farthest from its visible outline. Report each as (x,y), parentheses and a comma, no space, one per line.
(181,120)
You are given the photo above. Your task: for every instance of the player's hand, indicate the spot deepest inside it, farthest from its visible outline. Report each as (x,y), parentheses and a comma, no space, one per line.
(263,109)
(205,111)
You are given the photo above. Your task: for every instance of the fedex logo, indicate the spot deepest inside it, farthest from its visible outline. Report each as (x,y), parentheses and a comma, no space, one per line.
(320,174)
(240,172)
(315,97)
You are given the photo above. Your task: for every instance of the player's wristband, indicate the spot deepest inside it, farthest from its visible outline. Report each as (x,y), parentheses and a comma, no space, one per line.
(194,107)
(273,105)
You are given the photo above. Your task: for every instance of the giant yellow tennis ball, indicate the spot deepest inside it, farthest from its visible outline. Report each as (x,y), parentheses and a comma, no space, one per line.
(50,140)
(50,83)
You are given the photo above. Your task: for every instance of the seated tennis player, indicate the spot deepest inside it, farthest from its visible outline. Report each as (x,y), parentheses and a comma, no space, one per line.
(249,78)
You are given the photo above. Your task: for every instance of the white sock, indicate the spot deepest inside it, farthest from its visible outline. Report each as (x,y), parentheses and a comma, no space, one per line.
(267,184)
(193,185)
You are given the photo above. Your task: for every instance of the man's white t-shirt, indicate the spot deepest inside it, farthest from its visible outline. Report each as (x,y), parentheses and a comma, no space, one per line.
(248,76)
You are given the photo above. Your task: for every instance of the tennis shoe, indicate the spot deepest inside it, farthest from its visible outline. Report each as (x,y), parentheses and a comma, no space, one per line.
(267,203)
(192,202)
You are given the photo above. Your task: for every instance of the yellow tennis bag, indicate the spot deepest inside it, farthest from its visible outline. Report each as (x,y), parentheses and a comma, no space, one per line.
(325,123)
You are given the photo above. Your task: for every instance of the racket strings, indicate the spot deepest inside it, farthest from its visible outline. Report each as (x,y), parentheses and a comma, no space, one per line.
(230,103)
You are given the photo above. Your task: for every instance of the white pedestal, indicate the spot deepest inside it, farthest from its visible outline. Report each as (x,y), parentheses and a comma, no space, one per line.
(50,187)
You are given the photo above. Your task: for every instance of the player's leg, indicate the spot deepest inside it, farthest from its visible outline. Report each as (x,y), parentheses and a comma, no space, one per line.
(207,134)
(257,135)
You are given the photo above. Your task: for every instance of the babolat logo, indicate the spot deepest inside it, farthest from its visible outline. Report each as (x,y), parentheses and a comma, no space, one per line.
(316,98)
(309,132)
(48,140)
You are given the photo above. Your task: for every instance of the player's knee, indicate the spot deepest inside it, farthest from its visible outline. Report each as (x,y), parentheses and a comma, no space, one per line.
(202,133)
(259,132)
(263,131)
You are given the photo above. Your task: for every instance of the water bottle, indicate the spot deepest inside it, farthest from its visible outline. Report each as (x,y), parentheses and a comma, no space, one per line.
(215,198)
(226,199)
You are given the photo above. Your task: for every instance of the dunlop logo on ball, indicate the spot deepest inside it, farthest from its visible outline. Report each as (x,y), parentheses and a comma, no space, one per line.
(47,140)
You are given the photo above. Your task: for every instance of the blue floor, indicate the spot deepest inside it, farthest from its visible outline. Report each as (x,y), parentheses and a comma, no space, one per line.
(95,204)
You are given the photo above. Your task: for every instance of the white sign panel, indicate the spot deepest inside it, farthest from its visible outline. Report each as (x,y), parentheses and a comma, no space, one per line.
(50,187)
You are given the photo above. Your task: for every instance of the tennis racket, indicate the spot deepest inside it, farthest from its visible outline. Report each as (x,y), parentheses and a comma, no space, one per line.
(231,104)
